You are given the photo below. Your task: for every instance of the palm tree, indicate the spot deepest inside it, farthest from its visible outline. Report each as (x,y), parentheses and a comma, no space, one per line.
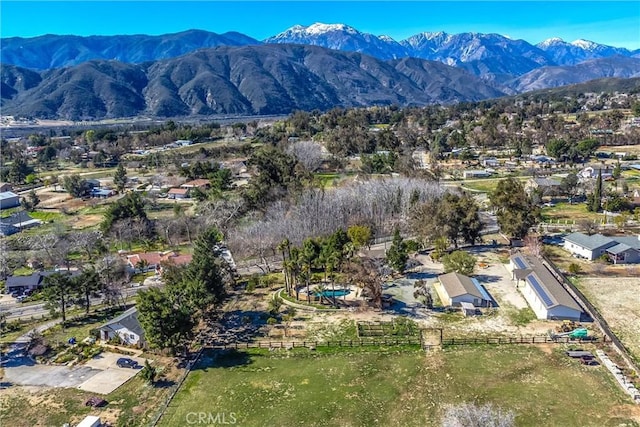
(319,290)
(309,255)
(283,247)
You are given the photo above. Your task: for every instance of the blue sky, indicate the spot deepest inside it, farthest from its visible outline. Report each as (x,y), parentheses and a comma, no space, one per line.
(608,22)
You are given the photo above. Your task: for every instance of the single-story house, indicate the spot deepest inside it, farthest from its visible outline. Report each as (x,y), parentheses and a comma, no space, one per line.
(475,174)
(5,186)
(620,249)
(126,327)
(455,289)
(152,261)
(490,162)
(197,183)
(548,186)
(178,193)
(544,293)
(592,172)
(9,200)
(102,193)
(16,223)
(93,183)
(32,282)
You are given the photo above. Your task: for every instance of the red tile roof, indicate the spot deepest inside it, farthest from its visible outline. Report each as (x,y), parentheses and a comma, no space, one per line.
(182,191)
(199,183)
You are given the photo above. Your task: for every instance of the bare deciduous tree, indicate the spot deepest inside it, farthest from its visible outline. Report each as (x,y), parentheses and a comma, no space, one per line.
(367,274)
(308,153)
(534,244)
(381,204)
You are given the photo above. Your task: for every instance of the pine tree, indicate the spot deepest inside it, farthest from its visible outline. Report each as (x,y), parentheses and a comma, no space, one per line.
(397,254)
(205,266)
(597,194)
(120,178)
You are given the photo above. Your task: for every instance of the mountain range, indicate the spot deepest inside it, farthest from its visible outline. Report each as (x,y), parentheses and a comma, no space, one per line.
(267,79)
(317,66)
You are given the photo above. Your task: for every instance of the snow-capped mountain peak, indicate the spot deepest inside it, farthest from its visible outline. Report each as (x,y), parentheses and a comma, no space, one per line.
(584,44)
(320,28)
(386,38)
(551,42)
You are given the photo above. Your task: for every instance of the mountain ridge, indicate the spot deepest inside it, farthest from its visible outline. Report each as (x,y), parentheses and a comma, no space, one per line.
(56,51)
(284,78)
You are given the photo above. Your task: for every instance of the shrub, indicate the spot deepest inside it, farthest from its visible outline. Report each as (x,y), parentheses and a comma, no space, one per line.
(574,268)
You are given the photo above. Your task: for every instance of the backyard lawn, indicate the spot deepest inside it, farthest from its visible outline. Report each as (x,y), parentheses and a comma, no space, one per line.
(410,388)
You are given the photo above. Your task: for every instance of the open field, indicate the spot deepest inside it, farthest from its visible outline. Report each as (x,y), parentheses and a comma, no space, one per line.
(351,388)
(618,302)
(631,149)
(484,185)
(571,212)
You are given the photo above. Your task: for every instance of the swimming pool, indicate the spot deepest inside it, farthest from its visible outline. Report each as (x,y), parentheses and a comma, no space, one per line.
(329,293)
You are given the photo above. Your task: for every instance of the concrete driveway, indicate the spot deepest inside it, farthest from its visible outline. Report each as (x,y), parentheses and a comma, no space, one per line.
(99,375)
(20,369)
(110,376)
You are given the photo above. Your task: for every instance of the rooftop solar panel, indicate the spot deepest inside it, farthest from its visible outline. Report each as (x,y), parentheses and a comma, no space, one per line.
(539,290)
(519,262)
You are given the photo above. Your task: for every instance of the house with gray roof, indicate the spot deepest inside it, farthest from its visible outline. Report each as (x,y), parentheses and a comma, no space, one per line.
(9,200)
(620,249)
(544,293)
(20,284)
(454,289)
(125,327)
(17,222)
(548,186)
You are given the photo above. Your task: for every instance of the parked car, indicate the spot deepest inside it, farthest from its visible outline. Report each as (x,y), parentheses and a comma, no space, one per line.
(96,402)
(125,362)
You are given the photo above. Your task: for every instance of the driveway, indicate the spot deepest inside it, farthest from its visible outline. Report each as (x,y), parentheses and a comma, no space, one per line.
(110,376)
(497,280)
(98,375)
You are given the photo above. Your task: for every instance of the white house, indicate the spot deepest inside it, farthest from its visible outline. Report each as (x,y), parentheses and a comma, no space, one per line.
(490,162)
(126,327)
(455,289)
(621,250)
(545,295)
(591,172)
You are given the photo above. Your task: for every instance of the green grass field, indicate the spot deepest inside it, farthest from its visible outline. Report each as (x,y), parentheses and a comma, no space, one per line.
(410,388)
(484,185)
(566,211)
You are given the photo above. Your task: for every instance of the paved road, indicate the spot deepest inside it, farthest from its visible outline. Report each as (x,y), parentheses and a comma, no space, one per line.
(16,311)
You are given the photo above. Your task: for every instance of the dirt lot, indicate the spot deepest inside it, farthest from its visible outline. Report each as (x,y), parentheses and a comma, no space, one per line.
(618,300)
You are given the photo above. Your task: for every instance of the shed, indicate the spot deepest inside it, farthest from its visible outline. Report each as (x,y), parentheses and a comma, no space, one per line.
(455,289)
(5,186)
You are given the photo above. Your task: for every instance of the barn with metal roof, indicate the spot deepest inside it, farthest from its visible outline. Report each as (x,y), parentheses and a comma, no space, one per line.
(544,293)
